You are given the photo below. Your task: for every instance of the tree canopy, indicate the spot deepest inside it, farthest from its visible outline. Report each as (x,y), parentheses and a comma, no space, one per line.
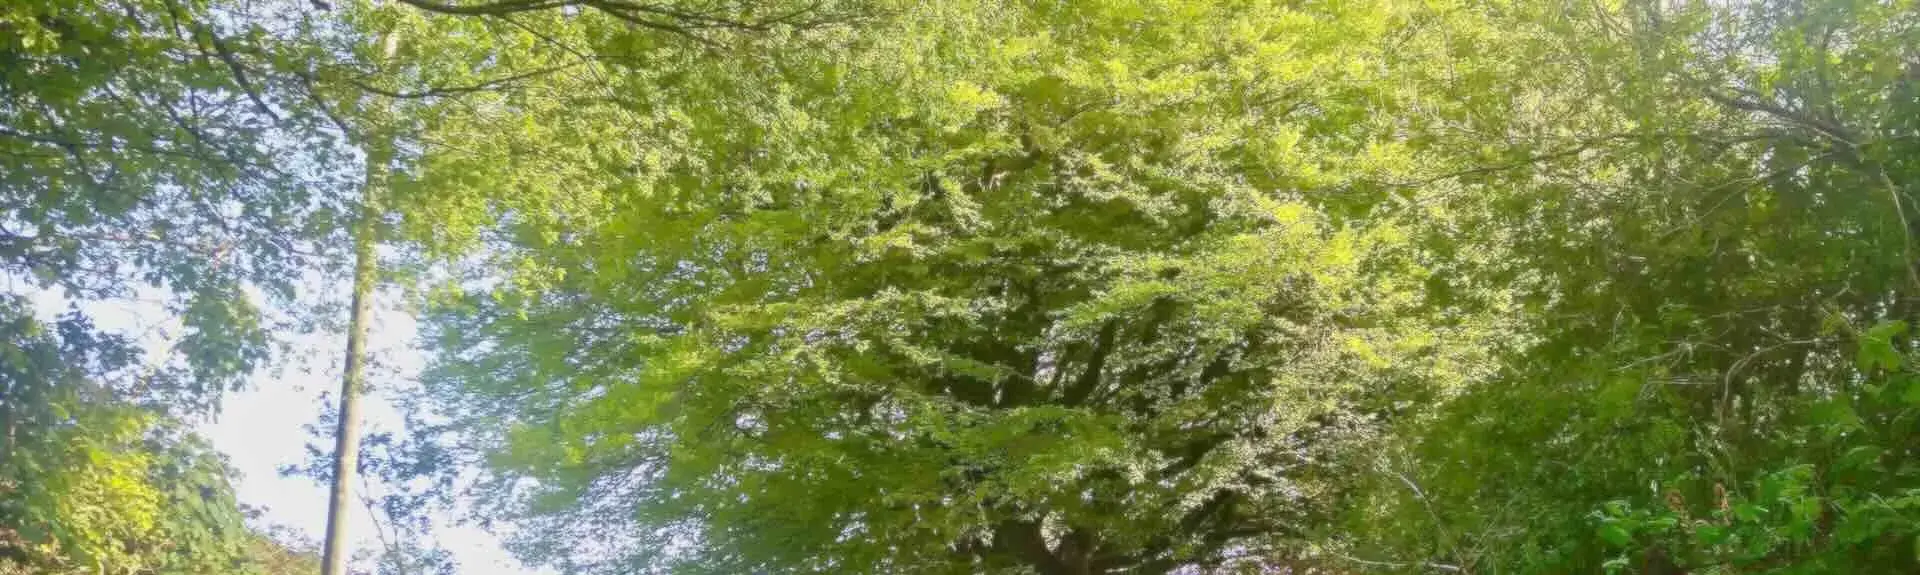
(983,286)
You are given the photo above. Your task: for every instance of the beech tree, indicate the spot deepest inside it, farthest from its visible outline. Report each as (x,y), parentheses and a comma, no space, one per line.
(1077,289)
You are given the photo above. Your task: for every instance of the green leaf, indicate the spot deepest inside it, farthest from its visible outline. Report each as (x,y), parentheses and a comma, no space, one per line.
(1876,346)
(1836,415)
(1615,535)
(1861,457)
(1710,535)
(1912,393)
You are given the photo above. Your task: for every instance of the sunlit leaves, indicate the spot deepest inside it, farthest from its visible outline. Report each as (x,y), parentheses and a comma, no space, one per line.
(966,281)
(93,483)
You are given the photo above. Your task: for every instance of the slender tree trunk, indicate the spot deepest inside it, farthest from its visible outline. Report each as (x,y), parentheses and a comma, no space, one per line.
(346,448)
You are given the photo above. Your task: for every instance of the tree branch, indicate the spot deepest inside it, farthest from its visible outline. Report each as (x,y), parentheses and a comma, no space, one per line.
(240,78)
(456,90)
(1022,539)
(488,9)
(1395,564)
(1089,379)
(1755,104)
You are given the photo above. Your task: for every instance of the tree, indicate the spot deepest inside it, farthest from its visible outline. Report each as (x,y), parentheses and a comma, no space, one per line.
(377,146)
(1721,377)
(455,75)
(1070,289)
(1067,288)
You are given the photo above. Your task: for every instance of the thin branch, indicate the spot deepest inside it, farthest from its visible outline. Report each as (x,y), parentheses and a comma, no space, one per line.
(489,9)
(656,17)
(456,90)
(1726,383)
(593,67)
(226,55)
(701,19)
(1577,149)
(379,527)
(313,95)
(1755,104)
(1483,170)
(661,26)
(1438,524)
(44,139)
(1906,228)
(1695,220)
(1395,564)
(205,142)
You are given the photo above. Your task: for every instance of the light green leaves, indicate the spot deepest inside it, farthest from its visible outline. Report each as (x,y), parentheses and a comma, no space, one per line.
(1097,286)
(1615,534)
(1877,349)
(93,481)
(972,277)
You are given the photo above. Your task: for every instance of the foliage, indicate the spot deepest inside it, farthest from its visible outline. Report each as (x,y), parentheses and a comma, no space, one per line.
(92,484)
(1149,284)
(1719,300)
(277,558)
(145,152)
(1128,286)
(995,286)
(146,148)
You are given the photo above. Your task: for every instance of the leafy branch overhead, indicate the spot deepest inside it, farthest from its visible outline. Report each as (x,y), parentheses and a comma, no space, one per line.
(975,286)
(685,21)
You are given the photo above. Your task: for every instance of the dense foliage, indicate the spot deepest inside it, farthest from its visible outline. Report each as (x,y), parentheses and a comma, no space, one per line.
(993,286)
(1134,285)
(1722,380)
(927,302)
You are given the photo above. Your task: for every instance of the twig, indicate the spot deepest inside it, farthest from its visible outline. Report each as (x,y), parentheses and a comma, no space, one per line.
(1438,524)
(1906,228)
(449,91)
(379,527)
(1582,146)
(1395,564)
(226,55)
(1726,383)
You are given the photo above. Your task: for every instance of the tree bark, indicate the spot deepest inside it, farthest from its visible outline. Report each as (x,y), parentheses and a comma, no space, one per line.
(346,447)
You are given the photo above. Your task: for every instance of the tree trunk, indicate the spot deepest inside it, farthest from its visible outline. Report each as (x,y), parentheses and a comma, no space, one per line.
(346,447)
